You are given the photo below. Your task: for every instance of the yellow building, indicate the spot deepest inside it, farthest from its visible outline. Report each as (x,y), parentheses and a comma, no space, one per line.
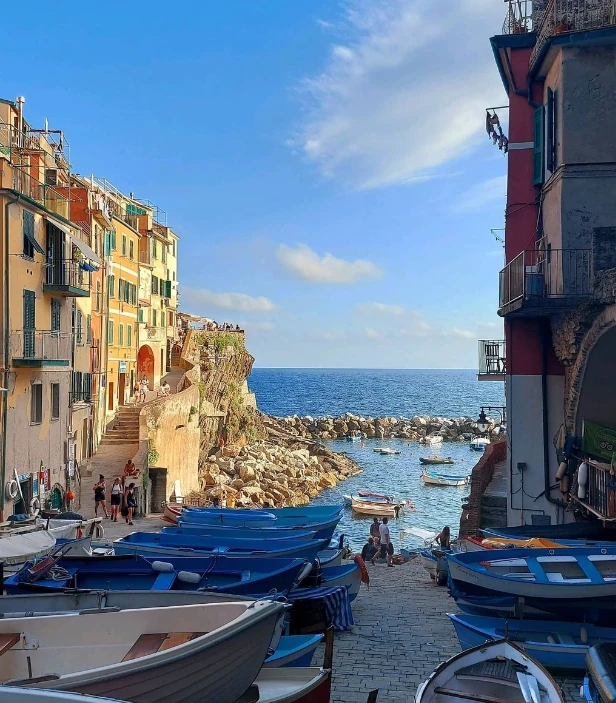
(47,267)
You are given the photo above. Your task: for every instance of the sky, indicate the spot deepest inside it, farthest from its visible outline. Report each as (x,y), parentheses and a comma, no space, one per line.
(325,162)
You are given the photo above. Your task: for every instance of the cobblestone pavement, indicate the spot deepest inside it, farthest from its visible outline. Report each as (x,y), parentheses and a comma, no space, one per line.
(401,633)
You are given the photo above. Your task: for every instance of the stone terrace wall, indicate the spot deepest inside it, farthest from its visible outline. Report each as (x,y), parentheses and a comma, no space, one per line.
(480,479)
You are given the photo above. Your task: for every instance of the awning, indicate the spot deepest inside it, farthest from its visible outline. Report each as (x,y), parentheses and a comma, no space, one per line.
(85,249)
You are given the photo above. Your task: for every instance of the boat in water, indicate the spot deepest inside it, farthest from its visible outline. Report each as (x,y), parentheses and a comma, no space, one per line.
(178,654)
(374,507)
(435,459)
(386,451)
(431,440)
(478,444)
(377,496)
(495,672)
(555,645)
(432,478)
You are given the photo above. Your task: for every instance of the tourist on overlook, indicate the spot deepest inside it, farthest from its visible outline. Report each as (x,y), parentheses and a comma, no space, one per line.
(369,550)
(387,548)
(444,538)
(99,495)
(374,531)
(116,498)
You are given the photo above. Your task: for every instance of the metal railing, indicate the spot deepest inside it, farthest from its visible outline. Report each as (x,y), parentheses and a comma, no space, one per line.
(563,16)
(546,273)
(597,489)
(68,273)
(519,18)
(41,344)
(491,357)
(156,334)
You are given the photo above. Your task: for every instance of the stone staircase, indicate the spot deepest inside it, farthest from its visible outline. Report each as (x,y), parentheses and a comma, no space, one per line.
(125,427)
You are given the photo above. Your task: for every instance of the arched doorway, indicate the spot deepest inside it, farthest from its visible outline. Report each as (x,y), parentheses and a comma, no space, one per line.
(145,365)
(597,389)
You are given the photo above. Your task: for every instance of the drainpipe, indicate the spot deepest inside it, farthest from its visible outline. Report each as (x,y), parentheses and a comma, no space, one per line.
(522,93)
(5,362)
(544,402)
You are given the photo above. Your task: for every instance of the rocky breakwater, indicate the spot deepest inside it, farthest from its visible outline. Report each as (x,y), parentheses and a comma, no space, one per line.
(271,473)
(414,428)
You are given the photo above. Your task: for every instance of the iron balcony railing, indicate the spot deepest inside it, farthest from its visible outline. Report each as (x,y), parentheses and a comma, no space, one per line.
(519,18)
(41,344)
(546,273)
(491,357)
(597,494)
(562,16)
(68,273)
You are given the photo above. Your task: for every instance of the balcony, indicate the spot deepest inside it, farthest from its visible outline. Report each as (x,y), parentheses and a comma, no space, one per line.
(539,282)
(566,16)
(68,278)
(145,258)
(491,360)
(36,348)
(156,334)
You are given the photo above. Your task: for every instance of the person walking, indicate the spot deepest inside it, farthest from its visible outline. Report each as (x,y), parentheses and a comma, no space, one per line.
(386,546)
(99,495)
(116,498)
(131,502)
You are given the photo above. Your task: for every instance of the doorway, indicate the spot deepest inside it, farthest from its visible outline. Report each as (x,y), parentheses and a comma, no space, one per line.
(158,494)
(121,388)
(22,505)
(110,392)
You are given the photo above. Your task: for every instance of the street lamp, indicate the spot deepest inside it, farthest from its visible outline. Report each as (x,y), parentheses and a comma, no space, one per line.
(482,422)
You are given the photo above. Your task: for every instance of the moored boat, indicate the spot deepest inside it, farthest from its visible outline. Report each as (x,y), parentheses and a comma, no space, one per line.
(293,650)
(378,496)
(436,460)
(366,507)
(496,671)
(182,654)
(431,440)
(478,444)
(555,645)
(432,478)
(290,685)
(386,450)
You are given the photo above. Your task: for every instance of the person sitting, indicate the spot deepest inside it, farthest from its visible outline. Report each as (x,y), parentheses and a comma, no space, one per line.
(369,550)
(130,471)
(165,389)
(444,538)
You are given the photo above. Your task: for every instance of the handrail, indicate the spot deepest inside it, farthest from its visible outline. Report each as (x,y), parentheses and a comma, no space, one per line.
(40,344)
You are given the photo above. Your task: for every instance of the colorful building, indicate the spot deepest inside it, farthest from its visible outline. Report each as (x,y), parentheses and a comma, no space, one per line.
(558,286)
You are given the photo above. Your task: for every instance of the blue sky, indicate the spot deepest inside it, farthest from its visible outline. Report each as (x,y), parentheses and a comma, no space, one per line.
(324,162)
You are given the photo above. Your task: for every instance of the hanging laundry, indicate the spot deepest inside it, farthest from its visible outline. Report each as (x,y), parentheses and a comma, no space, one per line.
(503,143)
(489,127)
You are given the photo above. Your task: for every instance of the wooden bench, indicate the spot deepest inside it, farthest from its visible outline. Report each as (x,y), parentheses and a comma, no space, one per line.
(159,642)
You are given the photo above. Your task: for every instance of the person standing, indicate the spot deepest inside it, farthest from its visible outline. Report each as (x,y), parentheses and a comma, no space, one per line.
(99,495)
(116,498)
(385,542)
(131,502)
(444,538)
(375,531)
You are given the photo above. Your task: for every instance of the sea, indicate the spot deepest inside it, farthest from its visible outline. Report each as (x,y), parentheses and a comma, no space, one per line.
(385,392)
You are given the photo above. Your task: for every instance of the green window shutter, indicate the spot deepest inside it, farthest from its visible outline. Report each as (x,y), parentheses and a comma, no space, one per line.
(538,153)
(154,320)
(140,315)
(129,335)
(123,245)
(549,132)
(167,289)
(30,243)
(55,315)
(112,286)
(114,244)
(110,332)
(89,329)
(121,335)
(107,243)
(121,289)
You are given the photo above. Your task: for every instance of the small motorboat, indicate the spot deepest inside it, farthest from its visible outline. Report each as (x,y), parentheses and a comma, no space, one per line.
(368,507)
(432,478)
(293,650)
(354,436)
(436,460)
(478,444)
(386,451)
(431,440)
(179,654)
(495,671)
(555,645)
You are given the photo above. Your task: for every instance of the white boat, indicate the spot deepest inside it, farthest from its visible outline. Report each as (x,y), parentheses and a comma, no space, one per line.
(310,684)
(433,478)
(181,654)
(431,440)
(478,444)
(13,694)
(386,450)
(495,672)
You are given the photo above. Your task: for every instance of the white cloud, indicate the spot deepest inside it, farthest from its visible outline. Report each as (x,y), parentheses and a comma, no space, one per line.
(479,196)
(401,95)
(380,309)
(464,334)
(371,334)
(304,263)
(200,301)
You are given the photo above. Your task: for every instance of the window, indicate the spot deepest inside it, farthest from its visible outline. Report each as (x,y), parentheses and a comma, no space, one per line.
(170,319)
(134,294)
(55,315)
(114,243)
(123,245)
(121,335)
(89,329)
(154,285)
(55,401)
(30,243)
(131,250)
(79,327)
(29,313)
(173,246)
(110,332)
(129,335)
(551,136)
(112,286)
(154,318)
(164,252)
(36,404)
(140,315)
(97,297)
(155,249)
(121,289)
(538,156)
(167,289)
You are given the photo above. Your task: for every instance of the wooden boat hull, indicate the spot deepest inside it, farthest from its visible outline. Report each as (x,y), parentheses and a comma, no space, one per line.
(348,575)
(374,508)
(324,528)
(376,496)
(433,479)
(443,683)
(201,668)
(555,645)
(569,531)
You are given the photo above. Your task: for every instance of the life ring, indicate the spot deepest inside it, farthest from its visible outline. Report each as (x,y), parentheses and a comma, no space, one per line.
(12,489)
(365,576)
(35,506)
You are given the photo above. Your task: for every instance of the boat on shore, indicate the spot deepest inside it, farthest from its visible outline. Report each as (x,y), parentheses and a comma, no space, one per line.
(293,650)
(15,694)
(493,672)
(181,654)
(289,685)
(570,531)
(432,478)
(436,460)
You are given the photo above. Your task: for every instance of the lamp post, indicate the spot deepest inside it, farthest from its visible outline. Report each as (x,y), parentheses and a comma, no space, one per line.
(482,422)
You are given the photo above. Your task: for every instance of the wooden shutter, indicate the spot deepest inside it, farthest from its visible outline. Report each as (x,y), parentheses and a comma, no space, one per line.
(167,289)
(29,323)
(55,315)
(538,154)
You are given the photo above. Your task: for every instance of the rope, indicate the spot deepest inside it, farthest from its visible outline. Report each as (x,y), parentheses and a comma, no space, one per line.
(58,573)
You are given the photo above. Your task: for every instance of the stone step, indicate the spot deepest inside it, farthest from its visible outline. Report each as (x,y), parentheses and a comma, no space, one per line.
(119,434)
(126,422)
(117,440)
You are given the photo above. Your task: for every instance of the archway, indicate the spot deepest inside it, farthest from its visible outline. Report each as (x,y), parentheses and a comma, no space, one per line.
(597,387)
(145,365)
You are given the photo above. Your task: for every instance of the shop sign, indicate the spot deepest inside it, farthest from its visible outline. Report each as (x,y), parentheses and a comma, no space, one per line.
(598,441)
(122,367)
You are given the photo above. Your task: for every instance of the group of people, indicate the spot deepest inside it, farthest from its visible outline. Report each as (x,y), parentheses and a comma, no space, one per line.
(379,543)
(140,391)
(212,325)
(122,499)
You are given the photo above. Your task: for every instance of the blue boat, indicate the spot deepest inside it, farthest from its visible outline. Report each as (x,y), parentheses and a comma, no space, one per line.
(556,533)
(215,532)
(305,512)
(556,645)
(577,584)
(348,575)
(600,682)
(293,650)
(155,544)
(324,528)
(136,573)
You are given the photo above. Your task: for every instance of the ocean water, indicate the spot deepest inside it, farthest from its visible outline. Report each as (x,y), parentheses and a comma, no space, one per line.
(373,392)
(450,393)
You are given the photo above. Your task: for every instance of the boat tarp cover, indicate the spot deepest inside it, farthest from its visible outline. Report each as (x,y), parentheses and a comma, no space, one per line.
(21,546)
(336,600)
(418,532)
